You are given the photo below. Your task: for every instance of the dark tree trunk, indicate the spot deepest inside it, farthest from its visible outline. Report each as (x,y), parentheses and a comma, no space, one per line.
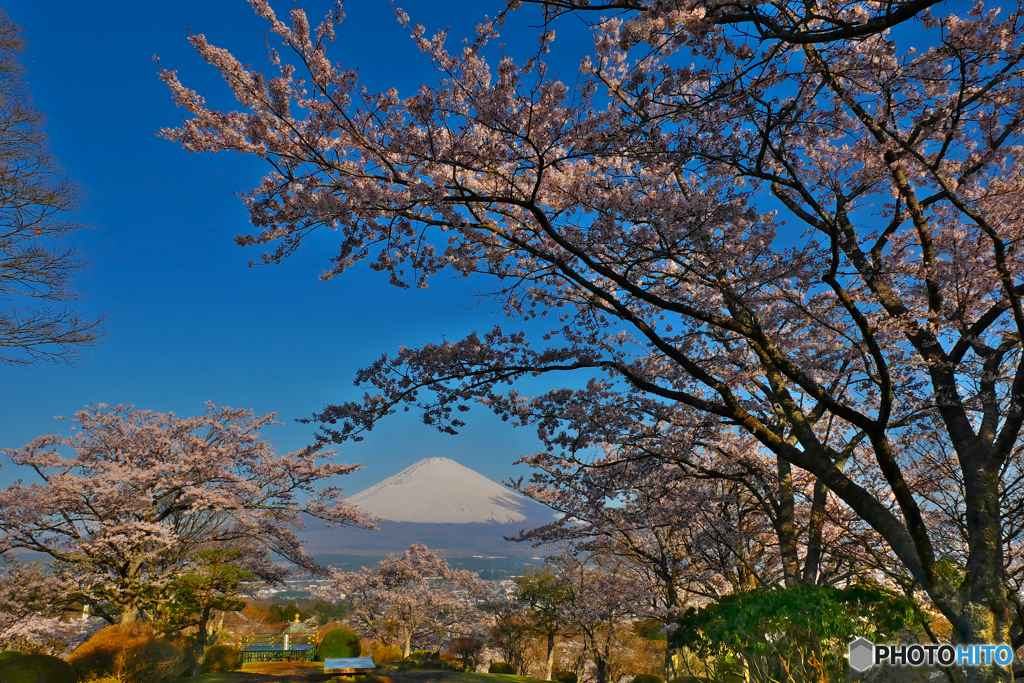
(201,635)
(785,526)
(812,561)
(987,615)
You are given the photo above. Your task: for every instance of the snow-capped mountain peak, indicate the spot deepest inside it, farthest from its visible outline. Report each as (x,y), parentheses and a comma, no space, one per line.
(441,491)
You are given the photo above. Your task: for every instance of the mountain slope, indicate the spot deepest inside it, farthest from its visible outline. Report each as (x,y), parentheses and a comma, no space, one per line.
(441,491)
(440,503)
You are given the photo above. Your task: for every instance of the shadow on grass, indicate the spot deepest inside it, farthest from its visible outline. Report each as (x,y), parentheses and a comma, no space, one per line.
(304,673)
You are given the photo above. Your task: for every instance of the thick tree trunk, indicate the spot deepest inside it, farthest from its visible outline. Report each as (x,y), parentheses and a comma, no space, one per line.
(785,526)
(986,617)
(130,599)
(129,614)
(551,656)
(812,561)
(201,635)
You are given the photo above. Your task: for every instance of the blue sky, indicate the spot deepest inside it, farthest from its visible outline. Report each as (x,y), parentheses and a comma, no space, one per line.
(189,320)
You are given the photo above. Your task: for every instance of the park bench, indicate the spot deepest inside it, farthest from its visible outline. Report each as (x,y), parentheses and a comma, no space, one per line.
(348,665)
(278,647)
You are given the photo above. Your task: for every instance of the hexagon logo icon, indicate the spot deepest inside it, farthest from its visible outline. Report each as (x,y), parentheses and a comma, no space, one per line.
(862,654)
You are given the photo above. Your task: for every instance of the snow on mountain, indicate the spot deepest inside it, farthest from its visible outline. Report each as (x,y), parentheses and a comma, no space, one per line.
(440,503)
(441,491)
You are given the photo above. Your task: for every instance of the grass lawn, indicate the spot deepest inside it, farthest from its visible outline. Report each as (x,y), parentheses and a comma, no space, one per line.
(269,672)
(452,677)
(302,672)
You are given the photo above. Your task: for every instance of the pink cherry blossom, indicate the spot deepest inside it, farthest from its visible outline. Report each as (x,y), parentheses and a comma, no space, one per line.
(125,502)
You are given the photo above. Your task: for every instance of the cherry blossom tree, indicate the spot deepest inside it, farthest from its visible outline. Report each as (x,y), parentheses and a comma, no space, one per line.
(139,496)
(809,242)
(604,598)
(791,22)
(715,516)
(510,634)
(412,598)
(545,598)
(28,592)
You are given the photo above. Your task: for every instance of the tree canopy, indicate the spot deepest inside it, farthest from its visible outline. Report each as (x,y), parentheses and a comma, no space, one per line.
(145,506)
(808,239)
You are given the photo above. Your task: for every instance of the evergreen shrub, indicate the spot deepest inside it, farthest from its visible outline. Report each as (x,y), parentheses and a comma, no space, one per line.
(339,642)
(35,668)
(424,655)
(222,658)
(500,668)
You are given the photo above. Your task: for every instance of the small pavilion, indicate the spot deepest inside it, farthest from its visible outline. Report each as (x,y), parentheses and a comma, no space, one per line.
(295,644)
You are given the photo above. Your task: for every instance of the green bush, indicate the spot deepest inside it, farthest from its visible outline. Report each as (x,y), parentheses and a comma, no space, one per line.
(500,668)
(339,642)
(222,658)
(789,624)
(567,677)
(327,612)
(647,678)
(36,668)
(9,654)
(286,613)
(428,664)
(424,655)
(650,629)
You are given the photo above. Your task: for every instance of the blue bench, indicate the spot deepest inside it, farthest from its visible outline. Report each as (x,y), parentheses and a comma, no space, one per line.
(348,665)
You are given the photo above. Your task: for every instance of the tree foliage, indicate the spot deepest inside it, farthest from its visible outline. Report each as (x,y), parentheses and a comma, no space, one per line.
(145,506)
(408,599)
(329,611)
(467,649)
(211,580)
(802,236)
(545,598)
(799,633)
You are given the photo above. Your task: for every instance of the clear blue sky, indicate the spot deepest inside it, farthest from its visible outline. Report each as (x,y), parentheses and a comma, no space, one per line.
(189,321)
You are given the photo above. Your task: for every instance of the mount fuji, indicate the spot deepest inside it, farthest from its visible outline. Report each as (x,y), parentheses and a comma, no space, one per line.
(437,502)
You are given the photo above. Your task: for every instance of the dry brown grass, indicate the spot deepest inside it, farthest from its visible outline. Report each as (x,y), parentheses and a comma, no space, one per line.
(132,653)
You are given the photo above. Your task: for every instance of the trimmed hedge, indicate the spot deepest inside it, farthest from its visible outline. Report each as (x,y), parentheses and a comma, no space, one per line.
(9,654)
(566,677)
(222,658)
(500,668)
(36,668)
(339,642)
